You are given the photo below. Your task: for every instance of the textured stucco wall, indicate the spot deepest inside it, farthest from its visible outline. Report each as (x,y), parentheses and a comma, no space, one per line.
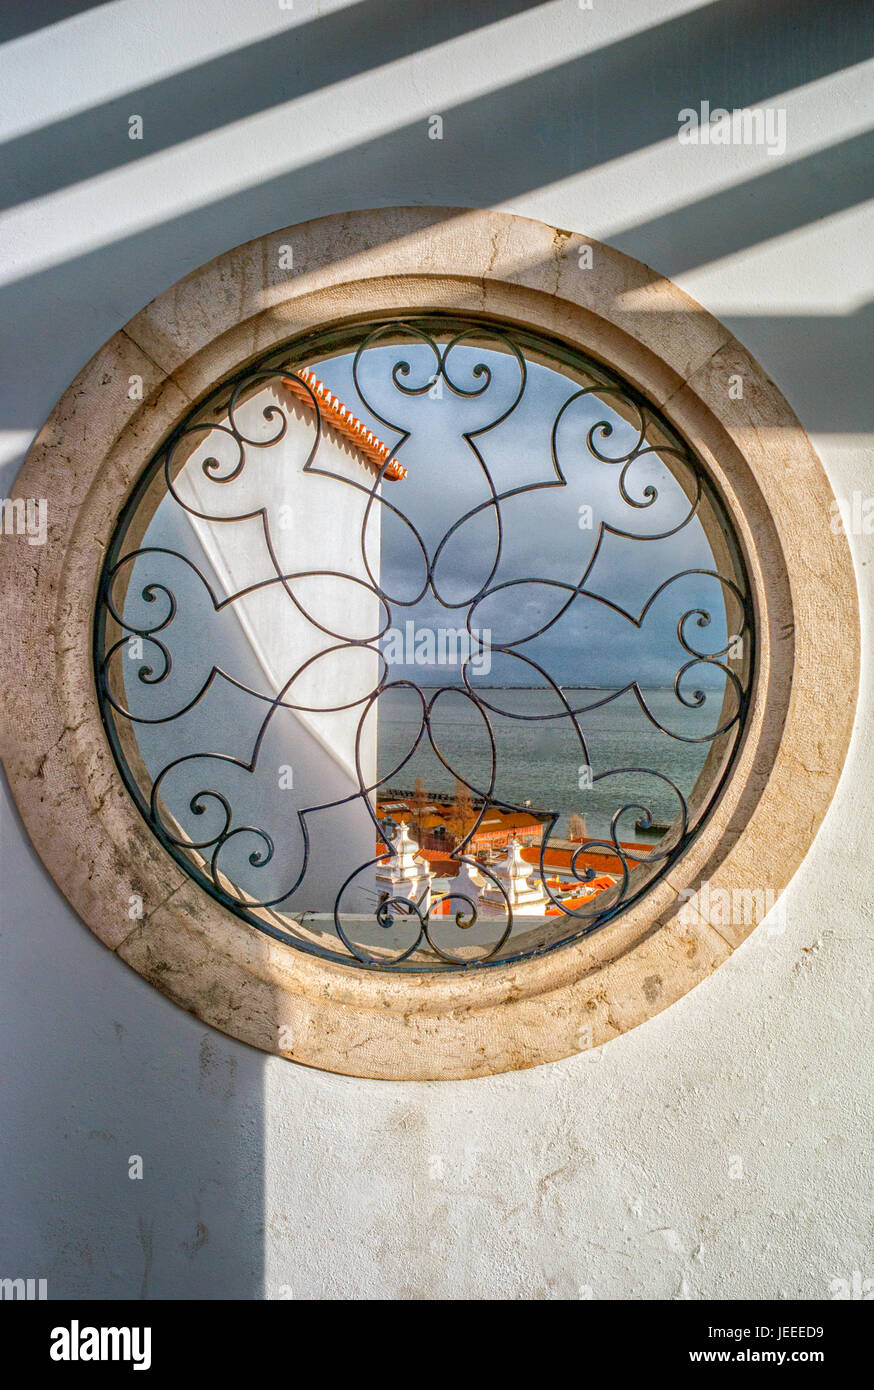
(720,1150)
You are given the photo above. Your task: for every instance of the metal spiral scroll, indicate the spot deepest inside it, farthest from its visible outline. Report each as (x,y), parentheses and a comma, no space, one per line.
(201,855)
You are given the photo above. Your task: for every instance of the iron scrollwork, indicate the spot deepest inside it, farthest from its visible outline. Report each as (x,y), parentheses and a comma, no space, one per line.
(145,586)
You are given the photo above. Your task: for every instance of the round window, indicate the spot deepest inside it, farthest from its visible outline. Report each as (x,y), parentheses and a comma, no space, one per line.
(430,670)
(425,643)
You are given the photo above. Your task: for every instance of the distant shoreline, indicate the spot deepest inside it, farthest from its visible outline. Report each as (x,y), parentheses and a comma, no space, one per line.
(597,689)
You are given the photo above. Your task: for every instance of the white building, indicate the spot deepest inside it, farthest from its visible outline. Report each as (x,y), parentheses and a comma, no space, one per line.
(521,883)
(405,874)
(315,521)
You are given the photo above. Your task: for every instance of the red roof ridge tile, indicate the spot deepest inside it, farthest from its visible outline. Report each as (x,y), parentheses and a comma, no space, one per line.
(341,418)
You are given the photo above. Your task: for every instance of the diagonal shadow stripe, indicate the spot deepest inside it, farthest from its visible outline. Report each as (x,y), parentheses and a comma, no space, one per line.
(821,362)
(531,132)
(332,48)
(545,127)
(483,160)
(788,196)
(20,19)
(496,148)
(59,327)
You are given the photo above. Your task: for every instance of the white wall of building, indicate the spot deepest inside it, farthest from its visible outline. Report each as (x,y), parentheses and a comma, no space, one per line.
(317,520)
(721,1149)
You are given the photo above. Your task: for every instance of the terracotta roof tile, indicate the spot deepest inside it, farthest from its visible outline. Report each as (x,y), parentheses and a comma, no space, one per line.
(341,418)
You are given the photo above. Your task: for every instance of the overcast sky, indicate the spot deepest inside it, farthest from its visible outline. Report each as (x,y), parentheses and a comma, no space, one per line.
(542,537)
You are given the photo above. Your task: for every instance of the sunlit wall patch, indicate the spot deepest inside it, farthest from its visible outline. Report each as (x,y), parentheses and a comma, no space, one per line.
(425,643)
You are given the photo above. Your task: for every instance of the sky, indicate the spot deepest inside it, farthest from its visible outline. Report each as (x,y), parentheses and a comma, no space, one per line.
(548,534)
(544,553)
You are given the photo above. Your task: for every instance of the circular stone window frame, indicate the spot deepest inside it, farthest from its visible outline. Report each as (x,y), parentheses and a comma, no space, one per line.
(424,1026)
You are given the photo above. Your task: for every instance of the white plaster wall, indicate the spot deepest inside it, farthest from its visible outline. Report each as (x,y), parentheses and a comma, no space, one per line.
(610,1175)
(315,522)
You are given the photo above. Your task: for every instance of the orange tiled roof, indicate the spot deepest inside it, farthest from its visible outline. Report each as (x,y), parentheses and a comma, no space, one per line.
(597,885)
(440,864)
(336,414)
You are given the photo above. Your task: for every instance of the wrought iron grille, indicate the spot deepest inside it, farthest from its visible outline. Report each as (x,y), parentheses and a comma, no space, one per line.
(382,583)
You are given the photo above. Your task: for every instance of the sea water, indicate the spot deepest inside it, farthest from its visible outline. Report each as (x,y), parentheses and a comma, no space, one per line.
(543,760)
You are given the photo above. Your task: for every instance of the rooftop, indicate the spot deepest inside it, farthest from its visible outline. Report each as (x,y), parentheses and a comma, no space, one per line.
(333,412)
